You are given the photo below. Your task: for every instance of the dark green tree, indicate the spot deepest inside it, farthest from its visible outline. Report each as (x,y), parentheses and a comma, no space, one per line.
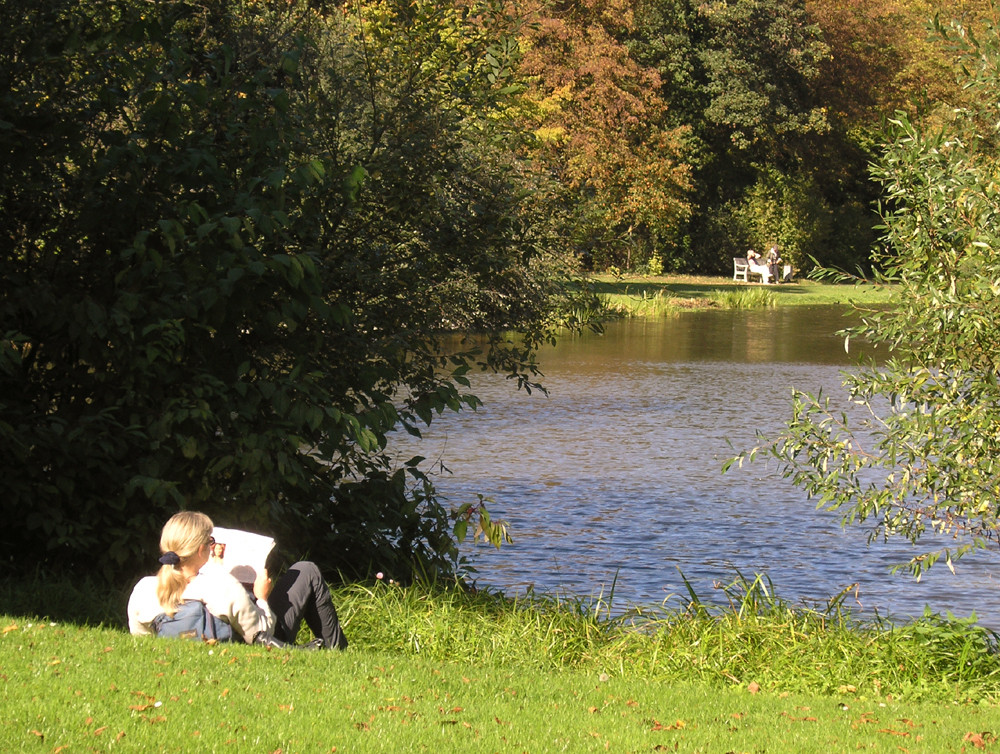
(769,165)
(234,238)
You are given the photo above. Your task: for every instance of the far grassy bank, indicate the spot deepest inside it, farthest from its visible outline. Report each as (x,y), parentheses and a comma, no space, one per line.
(635,295)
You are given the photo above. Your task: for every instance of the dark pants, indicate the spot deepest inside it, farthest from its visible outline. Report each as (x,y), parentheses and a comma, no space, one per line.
(301,594)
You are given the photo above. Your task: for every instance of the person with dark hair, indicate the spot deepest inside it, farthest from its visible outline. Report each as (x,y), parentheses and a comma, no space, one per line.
(773,262)
(187,599)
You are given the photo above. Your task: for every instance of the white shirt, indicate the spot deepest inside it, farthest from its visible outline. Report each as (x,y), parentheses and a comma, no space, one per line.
(223,595)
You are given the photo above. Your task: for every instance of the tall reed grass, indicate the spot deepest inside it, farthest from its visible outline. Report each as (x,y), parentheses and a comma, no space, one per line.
(756,297)
(659,304)
(755,637)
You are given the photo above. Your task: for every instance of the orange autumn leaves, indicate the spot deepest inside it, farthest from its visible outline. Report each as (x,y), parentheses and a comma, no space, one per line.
(599,117)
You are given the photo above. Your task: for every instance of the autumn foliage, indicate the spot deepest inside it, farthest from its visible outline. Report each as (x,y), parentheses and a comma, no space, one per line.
(599,120)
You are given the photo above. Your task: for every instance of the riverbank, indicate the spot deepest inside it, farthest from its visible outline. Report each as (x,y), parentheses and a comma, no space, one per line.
(637,296)
(444,670)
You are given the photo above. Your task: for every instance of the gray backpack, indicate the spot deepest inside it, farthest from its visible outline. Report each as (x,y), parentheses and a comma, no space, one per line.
(193,621)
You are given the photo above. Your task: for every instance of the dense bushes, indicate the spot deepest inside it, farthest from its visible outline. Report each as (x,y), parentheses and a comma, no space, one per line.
(231,236)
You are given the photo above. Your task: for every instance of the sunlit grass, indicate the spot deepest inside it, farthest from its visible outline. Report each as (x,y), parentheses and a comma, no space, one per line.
(72,689)
(636,296)
(757,638)
(758,297)
(658,304)
(449,670)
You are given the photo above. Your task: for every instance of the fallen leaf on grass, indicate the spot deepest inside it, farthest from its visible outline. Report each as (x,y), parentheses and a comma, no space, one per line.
(11,627)
(799,719)
(980,740)
(753,687)
(891,732)
(677,725)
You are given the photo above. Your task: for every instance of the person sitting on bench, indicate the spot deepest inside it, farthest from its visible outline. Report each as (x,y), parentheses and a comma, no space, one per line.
(757,268)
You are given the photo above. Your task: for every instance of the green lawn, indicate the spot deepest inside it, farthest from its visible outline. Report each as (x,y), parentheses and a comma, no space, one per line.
(446,671)
(72,689)
(638,295)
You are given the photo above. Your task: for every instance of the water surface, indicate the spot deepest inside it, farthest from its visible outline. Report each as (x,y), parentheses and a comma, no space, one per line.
(615,475)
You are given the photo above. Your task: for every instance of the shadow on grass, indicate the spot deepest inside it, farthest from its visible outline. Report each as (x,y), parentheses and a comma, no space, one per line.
(82,602)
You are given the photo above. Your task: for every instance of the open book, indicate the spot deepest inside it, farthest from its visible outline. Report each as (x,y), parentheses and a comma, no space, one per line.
(242,553)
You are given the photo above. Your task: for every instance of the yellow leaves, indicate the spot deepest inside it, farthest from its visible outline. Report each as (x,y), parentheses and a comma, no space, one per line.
(7,629)
(556,100)
(551,134)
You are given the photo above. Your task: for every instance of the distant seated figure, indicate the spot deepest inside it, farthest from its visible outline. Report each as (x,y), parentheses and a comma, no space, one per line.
(773,263)
(757,268)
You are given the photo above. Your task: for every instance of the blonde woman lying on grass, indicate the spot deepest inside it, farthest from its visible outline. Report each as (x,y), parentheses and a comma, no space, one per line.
(192,597)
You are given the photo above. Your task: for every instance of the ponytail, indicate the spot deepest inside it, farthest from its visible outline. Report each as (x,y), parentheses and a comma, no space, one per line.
(181,538)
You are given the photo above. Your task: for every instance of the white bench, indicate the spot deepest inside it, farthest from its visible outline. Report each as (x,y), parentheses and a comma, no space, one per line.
(743,270)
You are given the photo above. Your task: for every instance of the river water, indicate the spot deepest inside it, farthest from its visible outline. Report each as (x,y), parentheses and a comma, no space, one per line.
(614,477)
